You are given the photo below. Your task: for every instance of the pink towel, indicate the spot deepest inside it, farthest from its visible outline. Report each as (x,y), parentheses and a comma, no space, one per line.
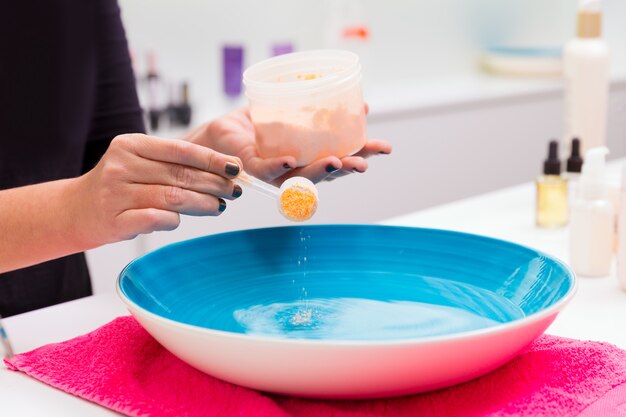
(120,366)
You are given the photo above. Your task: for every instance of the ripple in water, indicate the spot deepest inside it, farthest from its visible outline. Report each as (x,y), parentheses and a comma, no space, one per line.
(357,319)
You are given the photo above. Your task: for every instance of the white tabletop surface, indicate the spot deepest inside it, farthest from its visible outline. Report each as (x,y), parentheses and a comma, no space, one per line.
(597,312)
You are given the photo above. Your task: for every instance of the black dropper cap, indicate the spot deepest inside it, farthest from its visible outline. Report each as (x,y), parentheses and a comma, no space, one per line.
(575,161)
(552,165)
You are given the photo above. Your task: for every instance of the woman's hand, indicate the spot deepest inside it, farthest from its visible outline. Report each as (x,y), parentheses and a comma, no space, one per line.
(142,183)
(234,134)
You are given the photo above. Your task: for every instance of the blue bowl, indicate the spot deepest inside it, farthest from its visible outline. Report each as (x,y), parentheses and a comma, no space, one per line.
(309,310)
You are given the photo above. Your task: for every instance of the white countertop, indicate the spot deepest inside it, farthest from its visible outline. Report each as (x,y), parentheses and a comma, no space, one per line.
(595,313)
(598,308)
(21,395)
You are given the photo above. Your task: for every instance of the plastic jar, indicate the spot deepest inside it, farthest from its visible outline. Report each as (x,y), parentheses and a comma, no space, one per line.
(308,105)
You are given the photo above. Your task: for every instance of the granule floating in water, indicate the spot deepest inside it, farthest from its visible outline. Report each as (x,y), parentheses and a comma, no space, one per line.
(302,317)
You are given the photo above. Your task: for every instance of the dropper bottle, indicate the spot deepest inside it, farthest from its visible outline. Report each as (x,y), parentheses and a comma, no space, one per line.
(592,226)
(573,168)
(551,208)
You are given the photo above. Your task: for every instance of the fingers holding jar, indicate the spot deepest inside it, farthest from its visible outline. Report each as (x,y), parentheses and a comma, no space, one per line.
(307,105)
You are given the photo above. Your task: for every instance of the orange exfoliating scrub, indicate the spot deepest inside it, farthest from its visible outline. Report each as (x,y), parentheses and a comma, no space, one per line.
(314,133)
(308,76)
(298,203)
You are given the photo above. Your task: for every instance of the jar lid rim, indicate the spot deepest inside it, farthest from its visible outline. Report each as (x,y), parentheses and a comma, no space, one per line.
(347,64)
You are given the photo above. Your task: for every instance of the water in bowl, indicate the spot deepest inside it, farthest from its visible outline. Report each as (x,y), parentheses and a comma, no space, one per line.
(350,318)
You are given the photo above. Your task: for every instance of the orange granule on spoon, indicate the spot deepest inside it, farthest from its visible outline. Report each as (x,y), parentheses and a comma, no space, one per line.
(298,202)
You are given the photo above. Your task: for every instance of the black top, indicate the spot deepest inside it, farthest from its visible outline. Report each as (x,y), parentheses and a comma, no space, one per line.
(66,89)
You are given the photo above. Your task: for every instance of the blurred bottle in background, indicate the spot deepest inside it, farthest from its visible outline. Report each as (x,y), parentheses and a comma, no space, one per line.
(574,167)
(621,228)
(164,101)
(282,48)
(154,92)
(348,28)
(586,72)
(593,224)
(232,65)
(179,110)
(551,208)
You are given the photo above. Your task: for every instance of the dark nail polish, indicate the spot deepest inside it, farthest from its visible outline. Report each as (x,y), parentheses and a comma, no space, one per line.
(331,168)
(237,191)
(286,166)
(222,206)
(383,153)
(232,169)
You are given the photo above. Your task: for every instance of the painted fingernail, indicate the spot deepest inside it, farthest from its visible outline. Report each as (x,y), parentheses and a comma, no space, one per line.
(331,168)
(383,153)
(286,166)
(232,169)
(237,191)
(222,206)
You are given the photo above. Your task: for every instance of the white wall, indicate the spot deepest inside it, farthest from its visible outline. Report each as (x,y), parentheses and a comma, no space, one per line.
(455,134)
(410,39)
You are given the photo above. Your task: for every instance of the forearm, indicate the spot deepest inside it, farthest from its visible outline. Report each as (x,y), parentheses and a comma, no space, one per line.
(40,222)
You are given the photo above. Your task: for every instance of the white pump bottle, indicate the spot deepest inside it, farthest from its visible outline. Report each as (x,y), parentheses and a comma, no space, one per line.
(621,233)
(592,219)
(586,71)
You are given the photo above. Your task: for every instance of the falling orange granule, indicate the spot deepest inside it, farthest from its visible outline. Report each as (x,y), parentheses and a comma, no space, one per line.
(298,203)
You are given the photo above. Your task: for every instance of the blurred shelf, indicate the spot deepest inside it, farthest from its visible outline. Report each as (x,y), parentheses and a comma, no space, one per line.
(417,97)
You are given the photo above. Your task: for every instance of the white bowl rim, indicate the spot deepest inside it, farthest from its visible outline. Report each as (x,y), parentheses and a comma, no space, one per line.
(471,334)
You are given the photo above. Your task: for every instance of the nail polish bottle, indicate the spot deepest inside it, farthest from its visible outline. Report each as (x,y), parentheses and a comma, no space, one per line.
(282,48)
(154,87)
(233,69)
(183,110)
(179,109)
(551,211)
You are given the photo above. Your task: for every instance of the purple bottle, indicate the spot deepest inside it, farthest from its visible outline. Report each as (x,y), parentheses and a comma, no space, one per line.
(233,69)
(282,48)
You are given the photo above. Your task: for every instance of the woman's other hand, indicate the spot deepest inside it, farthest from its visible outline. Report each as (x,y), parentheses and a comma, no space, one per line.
(234,134)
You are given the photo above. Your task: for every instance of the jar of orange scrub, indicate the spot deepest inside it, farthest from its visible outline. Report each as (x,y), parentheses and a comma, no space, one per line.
(308,105)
